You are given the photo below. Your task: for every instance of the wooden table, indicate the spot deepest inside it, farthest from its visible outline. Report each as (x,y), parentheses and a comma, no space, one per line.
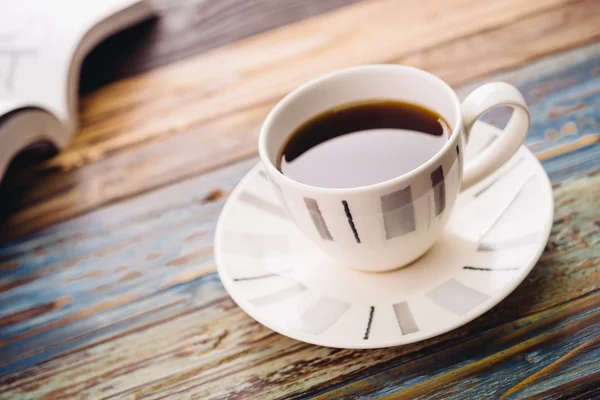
(108,286)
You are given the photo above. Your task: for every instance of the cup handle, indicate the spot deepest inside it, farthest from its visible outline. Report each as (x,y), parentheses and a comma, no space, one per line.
(481,100)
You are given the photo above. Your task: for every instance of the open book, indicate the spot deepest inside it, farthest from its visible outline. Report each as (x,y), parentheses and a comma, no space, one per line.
(42,46)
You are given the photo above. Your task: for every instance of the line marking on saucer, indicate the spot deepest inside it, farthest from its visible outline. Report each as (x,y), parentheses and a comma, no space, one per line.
(368,331)
(278,296)
(489,269)
(456,297)
(405,318)
(320,316)
(264,276)
(498,177)
(350,220)
(254,244)
(262,204)
(508,243)
(507,207)
(252,278)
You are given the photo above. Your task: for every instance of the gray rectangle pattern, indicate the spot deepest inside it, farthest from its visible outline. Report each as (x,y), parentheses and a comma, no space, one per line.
(278,296)
(321,316)
(439,190)
(508,243)
(456,297)
(254,244)
(398,213)
(406,321)
(317,218)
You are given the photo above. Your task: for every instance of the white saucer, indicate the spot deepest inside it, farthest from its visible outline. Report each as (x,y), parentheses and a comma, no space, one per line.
(495,236)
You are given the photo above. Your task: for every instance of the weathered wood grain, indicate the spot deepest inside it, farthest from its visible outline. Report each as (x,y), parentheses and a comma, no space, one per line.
(188,118)
(65,253)
(493,364)
(167,329)
(184,28)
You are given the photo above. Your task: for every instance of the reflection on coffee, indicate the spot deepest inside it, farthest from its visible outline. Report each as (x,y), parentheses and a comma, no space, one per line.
(361,144)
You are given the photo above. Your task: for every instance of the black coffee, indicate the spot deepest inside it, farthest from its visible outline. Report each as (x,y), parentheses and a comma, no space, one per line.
(362,143)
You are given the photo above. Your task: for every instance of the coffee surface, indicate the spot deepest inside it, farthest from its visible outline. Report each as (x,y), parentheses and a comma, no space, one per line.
(361,144)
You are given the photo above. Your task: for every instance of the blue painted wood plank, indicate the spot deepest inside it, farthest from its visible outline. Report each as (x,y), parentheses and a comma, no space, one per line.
(153,243)
(506,354)
(563,95)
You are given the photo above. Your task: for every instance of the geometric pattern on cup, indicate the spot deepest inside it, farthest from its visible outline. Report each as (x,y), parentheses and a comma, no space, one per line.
(350,220)
(439,190)
(406,321)
(317,218)
(456,297)
(320,316)
(398,213)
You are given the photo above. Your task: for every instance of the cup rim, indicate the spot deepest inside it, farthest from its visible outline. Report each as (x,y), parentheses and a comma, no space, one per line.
(307,86)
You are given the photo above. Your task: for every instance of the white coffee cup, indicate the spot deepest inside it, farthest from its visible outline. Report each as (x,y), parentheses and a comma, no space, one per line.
(387,225)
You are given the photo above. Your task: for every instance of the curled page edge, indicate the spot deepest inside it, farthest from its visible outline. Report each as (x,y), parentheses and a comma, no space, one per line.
(24,120)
